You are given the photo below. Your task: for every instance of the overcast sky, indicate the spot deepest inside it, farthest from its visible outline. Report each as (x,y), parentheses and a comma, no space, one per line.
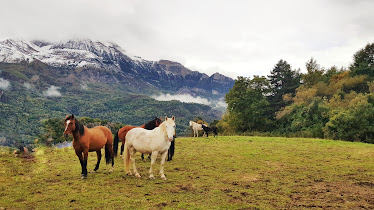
(233,37)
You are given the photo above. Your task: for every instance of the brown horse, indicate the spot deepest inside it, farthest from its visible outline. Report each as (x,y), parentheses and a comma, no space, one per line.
(89,140)
(121,134)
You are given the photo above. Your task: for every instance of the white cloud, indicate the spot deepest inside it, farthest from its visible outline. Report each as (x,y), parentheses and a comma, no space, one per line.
(84,86)
(52,92)
(182,97)
(4,84)
(237,38)
(187,98)
(27,85)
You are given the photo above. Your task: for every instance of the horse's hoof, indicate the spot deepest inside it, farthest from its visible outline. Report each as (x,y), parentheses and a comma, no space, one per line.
(163,178)
(111,170)
(129,173)
(138,175)
(151,177)
(84,176)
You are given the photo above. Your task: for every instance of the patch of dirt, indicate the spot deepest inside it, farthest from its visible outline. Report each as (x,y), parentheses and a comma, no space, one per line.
(183,187)
(335,195)
(160,205)
(249,178)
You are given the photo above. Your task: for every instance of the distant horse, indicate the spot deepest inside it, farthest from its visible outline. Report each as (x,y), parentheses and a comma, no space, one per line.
(121,134)
(196,127)
(156,141)
(88,140)
(207,129)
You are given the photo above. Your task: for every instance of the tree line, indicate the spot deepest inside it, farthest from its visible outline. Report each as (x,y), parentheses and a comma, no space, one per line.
(334,103)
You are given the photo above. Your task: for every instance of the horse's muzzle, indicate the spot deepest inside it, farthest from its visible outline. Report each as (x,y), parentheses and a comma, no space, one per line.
(171,139)
(66,135)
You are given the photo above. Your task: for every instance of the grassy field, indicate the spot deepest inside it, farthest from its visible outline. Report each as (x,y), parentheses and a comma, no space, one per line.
(225,172)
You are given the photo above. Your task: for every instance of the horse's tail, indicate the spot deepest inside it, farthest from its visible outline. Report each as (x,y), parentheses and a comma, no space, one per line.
(126,159)
(115,145)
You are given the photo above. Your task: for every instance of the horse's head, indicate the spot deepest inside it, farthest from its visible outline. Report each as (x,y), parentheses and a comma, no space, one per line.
(70,124)
(170,127)
(190,123)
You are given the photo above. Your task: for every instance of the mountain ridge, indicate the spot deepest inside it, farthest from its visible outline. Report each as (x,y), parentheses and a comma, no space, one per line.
(90,55)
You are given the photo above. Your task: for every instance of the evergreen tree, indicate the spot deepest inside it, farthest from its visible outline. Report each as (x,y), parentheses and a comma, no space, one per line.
(283,80)
(363,62)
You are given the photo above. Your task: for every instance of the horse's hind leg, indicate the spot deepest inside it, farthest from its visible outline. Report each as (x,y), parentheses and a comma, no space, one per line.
(98,152)
(163,157)
(122,147)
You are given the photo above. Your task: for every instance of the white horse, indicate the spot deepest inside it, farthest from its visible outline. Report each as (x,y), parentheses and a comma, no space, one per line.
(156,141)
(196,127)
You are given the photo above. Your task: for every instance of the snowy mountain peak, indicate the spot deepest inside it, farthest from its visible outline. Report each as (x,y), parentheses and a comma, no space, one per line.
(75,53)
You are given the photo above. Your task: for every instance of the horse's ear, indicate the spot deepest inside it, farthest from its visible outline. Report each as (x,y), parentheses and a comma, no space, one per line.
(166,118)
(173,118)
(72,116)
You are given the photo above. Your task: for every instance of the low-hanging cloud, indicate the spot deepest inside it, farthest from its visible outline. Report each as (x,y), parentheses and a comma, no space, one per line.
(187,98)
(4,84)
(182,97)
(84,86)
(27,85)
(52,92)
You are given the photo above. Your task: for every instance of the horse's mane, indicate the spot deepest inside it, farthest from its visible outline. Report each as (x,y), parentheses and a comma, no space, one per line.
(152,124)
(78,127)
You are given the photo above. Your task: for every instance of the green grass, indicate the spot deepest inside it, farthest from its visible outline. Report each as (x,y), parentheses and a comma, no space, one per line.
(225,172)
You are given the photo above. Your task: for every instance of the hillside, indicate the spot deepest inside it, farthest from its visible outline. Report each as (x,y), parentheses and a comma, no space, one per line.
(205,173)
(29,101)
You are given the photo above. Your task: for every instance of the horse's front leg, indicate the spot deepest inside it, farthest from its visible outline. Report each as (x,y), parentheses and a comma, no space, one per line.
(80,157)
(153,160)
(83,163)
(163,157)
(84,166)
(132,159)
(98,152)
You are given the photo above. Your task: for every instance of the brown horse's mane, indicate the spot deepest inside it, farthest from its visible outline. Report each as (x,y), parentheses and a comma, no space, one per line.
(78,127)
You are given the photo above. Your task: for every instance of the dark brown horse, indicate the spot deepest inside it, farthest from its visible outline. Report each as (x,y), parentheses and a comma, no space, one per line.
(89,140)
(121,134)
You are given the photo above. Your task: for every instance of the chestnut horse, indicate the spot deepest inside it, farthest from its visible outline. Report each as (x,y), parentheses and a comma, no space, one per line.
(121,134)
(88,140)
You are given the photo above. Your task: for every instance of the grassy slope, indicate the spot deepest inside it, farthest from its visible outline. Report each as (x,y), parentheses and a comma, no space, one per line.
(223,172)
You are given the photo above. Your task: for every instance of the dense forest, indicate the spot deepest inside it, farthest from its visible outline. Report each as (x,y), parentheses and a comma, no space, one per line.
(333,103)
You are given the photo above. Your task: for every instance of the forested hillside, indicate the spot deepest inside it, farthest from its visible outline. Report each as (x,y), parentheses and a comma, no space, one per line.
(38,92)
(336,103)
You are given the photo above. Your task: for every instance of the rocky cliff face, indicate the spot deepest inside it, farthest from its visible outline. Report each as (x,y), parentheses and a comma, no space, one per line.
(94,61)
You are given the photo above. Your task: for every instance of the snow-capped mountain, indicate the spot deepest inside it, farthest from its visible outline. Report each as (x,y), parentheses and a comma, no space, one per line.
(108,62)
(71,53)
